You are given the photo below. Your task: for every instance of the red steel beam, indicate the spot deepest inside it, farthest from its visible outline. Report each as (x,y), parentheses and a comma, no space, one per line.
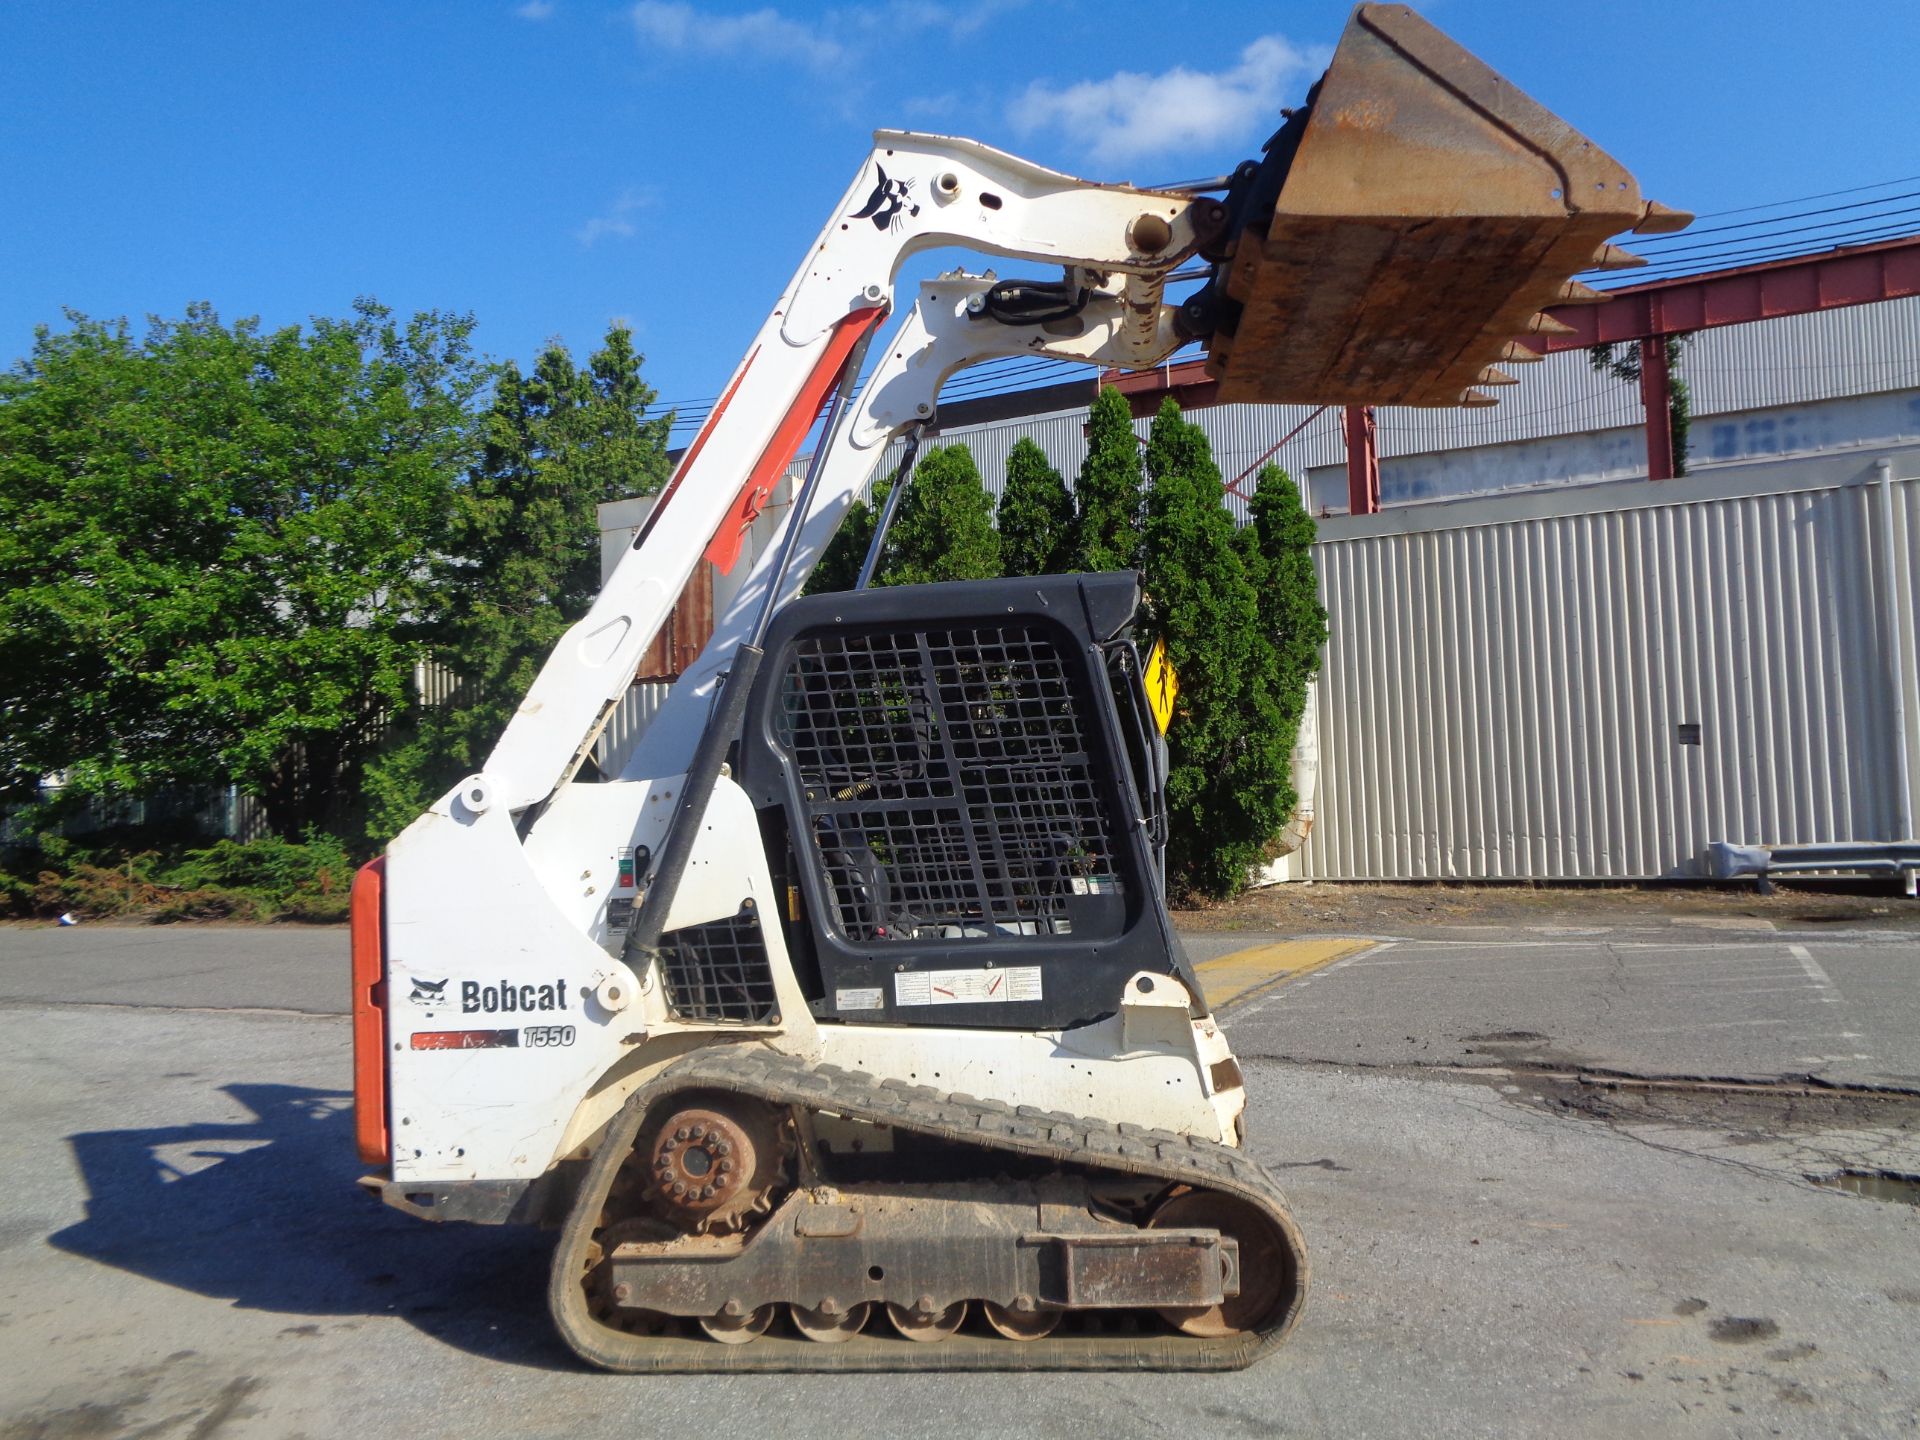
(1656,401)
(1188,382)
(1363,460)
(1799,285)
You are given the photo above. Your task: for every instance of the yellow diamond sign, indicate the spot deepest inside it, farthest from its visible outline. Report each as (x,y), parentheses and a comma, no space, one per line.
(1162,686)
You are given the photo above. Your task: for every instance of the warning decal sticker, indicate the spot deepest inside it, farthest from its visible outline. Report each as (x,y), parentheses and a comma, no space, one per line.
(968,987)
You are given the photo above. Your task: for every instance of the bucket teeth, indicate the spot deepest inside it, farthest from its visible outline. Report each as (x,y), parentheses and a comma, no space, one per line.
(1517,354)
(1476,400)
(1574,293)
(1662,220)
(1545,324)
(1612,257)
(1494,375)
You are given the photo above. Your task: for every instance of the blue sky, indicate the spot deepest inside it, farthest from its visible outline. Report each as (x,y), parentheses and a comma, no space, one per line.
(553,164)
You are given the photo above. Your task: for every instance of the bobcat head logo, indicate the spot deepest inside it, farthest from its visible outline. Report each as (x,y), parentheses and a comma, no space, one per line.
(888,205)
(429,992)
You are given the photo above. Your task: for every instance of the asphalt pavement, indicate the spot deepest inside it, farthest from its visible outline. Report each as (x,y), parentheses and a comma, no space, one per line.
(1497,1250)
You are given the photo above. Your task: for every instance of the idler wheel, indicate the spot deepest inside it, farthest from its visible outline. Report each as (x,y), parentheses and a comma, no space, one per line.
(831,1324)
(710,1166)
(1266,1270)
(923,1322)
(1019,1324)
(738,1329)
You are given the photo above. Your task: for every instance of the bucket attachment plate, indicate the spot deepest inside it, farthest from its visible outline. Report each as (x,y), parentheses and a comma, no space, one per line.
(1407,225)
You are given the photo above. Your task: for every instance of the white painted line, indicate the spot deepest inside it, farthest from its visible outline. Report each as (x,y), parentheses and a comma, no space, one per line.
(1705,960)
(1728,980)
(1811,965)
(1710,1025)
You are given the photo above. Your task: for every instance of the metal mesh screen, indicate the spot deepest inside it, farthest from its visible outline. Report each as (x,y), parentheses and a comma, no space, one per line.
(718,971)
(949,788)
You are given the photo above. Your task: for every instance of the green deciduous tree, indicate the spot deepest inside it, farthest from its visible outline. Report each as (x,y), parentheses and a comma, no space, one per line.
(1106,497)
(217,545)
(523,554)
(943,529)
(1036,515)
(1229,780)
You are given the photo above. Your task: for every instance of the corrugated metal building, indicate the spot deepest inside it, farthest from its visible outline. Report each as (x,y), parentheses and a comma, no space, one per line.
(1598,683)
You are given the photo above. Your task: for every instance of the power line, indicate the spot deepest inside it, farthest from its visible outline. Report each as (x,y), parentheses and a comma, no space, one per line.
(1691,232)
(1717,260)
(1802,199)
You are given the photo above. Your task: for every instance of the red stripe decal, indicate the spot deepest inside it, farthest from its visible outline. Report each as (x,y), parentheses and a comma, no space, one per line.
(700,440)
(724,549)
(465,1039)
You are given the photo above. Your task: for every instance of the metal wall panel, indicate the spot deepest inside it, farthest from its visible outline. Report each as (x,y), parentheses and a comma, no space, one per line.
(1505,681)
(636,708)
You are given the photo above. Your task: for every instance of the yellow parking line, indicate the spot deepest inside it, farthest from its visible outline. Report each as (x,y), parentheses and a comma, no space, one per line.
(1228,978)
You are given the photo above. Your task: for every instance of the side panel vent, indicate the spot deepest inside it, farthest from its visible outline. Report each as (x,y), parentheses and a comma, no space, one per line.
(719,971)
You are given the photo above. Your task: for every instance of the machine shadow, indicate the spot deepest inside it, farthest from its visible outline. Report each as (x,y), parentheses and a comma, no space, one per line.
(265,1213)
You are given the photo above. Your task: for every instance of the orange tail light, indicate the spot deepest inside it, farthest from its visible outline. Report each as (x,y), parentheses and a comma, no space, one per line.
(368,932)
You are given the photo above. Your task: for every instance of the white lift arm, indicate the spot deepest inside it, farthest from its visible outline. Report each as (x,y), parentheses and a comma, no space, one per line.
(914,192)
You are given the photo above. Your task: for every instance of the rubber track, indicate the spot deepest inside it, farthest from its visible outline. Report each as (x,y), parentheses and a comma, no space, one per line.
(1066,1139)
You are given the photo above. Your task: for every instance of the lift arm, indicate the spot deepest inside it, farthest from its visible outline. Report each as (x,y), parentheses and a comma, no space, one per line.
(913,192)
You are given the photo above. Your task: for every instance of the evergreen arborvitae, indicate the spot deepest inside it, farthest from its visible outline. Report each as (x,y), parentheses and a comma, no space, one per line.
(943,529)
(1277,548)
(1229,778)
(1036,515)
(1107,494)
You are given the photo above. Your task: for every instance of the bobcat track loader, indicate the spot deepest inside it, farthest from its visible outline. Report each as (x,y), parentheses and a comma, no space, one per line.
(844,1027)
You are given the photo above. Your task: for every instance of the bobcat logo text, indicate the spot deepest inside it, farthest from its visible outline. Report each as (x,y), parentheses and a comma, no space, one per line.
(507,999)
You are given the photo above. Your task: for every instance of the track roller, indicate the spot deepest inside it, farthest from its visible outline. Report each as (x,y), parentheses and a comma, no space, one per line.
(738,1329)
(1019,1325)
(830,1328)
(924,1323)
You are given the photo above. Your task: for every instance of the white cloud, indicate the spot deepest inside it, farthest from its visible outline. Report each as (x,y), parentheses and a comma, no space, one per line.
(759,34)
(819,42)
(534,9)
(1129,116)
(618,220)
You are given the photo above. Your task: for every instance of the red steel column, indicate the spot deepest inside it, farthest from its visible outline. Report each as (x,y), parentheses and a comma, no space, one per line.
(1656,399)
(1363,461)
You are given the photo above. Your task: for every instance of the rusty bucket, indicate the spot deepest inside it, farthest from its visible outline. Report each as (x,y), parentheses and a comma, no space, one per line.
(1408,227)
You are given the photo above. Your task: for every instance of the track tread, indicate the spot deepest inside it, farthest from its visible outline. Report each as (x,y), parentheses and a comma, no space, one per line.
(782,1079)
